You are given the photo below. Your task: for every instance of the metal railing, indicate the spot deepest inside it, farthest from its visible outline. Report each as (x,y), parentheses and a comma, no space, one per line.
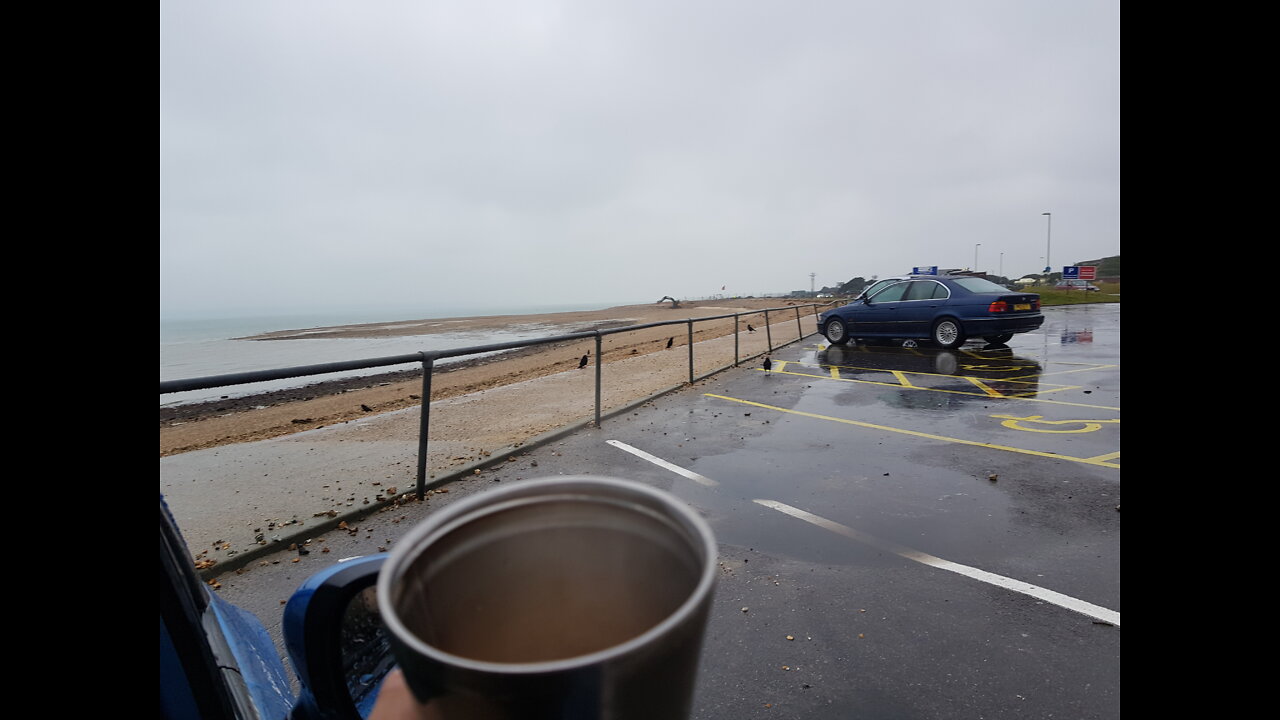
(428,359)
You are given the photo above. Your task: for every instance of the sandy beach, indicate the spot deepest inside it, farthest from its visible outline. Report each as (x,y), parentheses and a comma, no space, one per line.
(632,368)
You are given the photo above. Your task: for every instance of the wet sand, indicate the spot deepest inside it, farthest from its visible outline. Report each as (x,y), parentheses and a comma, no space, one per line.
(212,424)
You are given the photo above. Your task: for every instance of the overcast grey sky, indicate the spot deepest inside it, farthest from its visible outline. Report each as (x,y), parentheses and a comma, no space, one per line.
(326,155)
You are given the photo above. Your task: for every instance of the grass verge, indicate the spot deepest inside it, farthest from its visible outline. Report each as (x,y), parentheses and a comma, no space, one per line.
(1107,293)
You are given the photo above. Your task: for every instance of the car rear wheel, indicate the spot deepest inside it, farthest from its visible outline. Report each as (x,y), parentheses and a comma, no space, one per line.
(1000,339)
(947,333)
(837,333)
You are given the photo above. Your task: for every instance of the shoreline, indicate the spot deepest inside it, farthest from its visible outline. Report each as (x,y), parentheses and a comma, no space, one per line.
(337,386)
(213,423)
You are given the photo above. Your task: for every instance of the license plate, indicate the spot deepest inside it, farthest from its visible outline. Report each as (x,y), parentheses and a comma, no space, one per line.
(1022,306)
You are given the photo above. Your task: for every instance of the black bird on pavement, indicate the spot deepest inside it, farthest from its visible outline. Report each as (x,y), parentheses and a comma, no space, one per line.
(749,328)
(768,364)
(583,362)
(669,341)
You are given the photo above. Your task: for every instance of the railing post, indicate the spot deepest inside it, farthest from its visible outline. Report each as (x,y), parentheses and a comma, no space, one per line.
(735,339)
(799,329)
(767,330)
(428,363)
(599,360)
(690,323)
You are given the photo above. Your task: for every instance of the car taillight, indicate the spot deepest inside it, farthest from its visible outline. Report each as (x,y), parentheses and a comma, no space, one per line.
(998,306)
(1035,304)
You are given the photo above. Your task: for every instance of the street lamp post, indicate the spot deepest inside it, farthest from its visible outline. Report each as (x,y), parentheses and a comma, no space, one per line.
(1048,238)
(1001,273)
(975,256)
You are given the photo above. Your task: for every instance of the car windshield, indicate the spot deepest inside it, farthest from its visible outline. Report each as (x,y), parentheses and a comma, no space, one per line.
(978,285)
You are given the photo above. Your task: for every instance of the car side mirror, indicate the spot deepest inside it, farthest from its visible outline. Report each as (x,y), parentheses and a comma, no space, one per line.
(334,635)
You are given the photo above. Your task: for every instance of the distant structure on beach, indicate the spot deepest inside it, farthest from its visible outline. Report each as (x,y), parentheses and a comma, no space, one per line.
(674,302)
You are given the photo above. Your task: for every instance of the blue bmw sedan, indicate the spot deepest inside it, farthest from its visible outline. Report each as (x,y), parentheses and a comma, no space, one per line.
(945,309)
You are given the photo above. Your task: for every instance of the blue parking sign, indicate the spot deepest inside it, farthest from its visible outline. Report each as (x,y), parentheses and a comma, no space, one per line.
(1071,273)
(931,270)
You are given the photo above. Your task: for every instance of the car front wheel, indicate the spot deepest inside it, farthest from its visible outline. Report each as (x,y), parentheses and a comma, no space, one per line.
(837,333)
(947,333)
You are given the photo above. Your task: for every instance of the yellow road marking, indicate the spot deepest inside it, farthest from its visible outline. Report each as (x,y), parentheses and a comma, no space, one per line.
(995,368)
(1034,375)
(1056,456)
(1013,422)
(1106,457)
(1046,391)
(1083,369)
(835,373)
(983,386)
(902,378)
(960,392)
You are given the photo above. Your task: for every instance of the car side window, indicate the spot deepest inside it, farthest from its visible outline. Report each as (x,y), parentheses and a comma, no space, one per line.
(924,290)
(891,293)
(927,290)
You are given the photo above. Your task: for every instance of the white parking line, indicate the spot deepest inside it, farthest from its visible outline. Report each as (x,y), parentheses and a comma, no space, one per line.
(1035,591)
(664,464)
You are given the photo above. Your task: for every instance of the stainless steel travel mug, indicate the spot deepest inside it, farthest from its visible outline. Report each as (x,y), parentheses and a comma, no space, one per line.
(568,597)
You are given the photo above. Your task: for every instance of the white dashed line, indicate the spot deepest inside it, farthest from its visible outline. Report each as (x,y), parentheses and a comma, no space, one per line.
(664,464)
(1035,591)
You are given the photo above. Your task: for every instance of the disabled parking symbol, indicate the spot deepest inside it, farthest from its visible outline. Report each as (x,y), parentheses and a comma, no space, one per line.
(1037,423)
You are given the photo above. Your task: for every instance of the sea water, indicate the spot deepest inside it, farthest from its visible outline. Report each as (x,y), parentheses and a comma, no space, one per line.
(201,347)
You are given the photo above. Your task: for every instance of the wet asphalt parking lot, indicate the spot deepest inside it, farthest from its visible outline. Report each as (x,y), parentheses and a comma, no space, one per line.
(904,532)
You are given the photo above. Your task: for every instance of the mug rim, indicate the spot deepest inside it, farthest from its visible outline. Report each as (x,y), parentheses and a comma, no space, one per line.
(456,514)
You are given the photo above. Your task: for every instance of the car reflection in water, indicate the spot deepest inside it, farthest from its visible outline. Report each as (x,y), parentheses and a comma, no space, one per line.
(959,375)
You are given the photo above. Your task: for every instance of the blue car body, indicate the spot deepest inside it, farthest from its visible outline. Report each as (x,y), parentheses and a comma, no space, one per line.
(217,661)
(945,309)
